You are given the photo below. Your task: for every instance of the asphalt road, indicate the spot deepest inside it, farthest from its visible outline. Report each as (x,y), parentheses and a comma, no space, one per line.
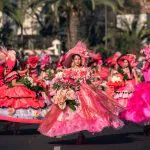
(130,137)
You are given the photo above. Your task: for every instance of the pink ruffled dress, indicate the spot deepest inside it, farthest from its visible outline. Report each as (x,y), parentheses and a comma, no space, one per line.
(123,93)
(95,111)
(138,108)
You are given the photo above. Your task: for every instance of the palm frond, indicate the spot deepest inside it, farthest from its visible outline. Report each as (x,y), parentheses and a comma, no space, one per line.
(145,33)
(109,3)
(121,3)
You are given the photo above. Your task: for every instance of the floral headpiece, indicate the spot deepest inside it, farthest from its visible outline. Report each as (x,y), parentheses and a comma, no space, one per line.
(111,61)
(80,49)
(10,57)
(96,58)
(44,60)
(131,58)
(146,51)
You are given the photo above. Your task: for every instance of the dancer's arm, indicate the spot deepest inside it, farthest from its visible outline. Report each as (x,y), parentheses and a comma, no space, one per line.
(15,83)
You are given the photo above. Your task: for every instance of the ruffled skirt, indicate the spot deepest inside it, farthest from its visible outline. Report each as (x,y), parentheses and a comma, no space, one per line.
(123,94)
(94,112)
(138,108)
(20,104)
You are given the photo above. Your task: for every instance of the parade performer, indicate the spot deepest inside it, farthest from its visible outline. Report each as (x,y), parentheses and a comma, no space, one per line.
(128,77)
(114,77)
(19,101)
(138,108)
(100,73)
(76,105)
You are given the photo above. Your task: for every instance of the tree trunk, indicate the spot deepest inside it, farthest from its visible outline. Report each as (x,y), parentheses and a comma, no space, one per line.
(21,38)
(112,22)
(72,35)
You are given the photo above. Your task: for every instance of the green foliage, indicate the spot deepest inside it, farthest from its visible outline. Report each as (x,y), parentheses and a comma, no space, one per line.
(131,38)
(72,104)
(6,34)
(57,85)
(60,12)
(29,85)
(125,76)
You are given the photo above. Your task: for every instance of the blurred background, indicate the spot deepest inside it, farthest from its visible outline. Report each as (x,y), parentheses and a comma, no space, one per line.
(56,25)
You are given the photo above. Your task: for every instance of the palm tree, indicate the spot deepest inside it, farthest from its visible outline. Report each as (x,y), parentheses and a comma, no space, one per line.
(17,11)
(131,37)
(74,11)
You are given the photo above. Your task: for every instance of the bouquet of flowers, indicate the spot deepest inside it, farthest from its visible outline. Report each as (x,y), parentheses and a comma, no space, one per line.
(65,97)
(29,83)
(65,92)
(116,80)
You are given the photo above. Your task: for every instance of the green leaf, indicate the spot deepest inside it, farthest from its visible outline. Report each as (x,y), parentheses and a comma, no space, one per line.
(72,104)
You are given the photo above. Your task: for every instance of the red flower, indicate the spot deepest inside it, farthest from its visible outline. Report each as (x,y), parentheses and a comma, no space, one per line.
(33,61)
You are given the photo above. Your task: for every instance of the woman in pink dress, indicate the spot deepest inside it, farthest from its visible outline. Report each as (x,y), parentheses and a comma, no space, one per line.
(77,104)
(127,69)
(112,64)
(138,108)
(100,73)
(17,102)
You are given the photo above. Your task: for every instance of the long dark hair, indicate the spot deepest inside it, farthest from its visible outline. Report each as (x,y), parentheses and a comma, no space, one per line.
(129,66)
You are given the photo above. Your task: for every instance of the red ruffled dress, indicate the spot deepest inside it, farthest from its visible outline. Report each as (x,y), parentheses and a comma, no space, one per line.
(19,104)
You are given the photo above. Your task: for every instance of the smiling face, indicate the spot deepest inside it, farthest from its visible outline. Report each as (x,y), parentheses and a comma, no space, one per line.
(125,63)
(76,60)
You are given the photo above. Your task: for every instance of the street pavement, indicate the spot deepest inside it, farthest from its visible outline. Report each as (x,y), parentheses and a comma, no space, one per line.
(130,137)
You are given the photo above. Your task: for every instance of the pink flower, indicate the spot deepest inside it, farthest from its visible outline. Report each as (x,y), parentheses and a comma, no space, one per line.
(69,80)
(60,99)
(116,124)
(45,60)
(70,94)
(83,73)
(53,92)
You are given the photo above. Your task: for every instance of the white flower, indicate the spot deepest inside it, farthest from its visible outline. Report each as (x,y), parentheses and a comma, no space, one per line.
(30,79)
(34,84)
(59,75)
(52,71)
(104,83)
(70,94)
(116,79)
